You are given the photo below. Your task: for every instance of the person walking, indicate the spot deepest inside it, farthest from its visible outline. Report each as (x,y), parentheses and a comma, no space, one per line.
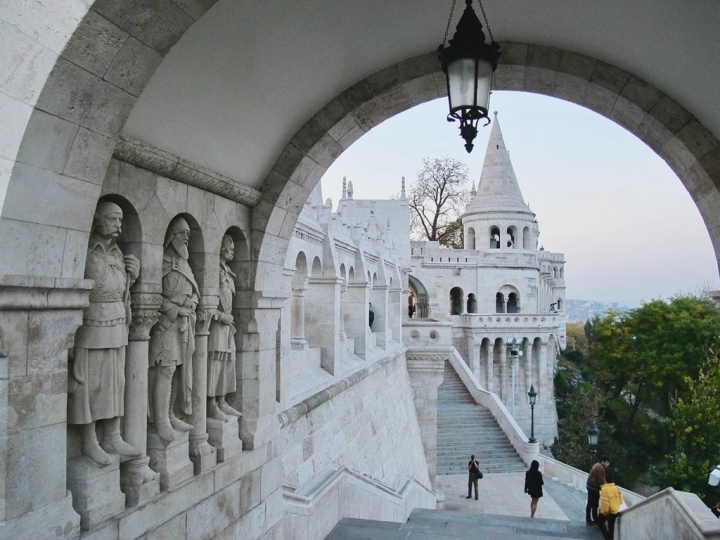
(595,480)
(610,501)
(473,475)
(533,486)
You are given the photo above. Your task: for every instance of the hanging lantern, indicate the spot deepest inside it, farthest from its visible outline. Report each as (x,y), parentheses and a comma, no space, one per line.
(469,63)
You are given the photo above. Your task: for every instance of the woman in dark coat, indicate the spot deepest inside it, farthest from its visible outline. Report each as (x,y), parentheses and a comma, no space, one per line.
(533,485)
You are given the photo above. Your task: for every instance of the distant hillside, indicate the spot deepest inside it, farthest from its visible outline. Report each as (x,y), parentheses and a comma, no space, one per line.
(582,310)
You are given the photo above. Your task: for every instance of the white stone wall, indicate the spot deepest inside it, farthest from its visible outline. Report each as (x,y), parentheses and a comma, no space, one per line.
(371,427)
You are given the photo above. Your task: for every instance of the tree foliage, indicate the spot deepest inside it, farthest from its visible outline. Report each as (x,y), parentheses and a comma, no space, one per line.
(649,370)
(437,200)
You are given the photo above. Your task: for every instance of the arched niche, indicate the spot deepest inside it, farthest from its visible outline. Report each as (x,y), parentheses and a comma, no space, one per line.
(471,303)
(130,239)
(422,301)
(196,248)
(456,301)
(470,239)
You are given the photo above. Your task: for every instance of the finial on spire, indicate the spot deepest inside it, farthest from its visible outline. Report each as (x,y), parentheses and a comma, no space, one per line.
(344,195)
(473,191)
(495,113)
(350,190)
(402,192)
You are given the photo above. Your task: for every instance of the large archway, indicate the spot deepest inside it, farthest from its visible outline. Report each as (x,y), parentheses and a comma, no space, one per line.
(680,139)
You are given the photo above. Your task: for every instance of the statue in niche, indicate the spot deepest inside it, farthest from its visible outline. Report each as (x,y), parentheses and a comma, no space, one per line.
(172,340)
(96,382)
(221,342)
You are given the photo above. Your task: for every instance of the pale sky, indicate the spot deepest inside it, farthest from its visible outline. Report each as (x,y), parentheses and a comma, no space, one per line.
(626,224)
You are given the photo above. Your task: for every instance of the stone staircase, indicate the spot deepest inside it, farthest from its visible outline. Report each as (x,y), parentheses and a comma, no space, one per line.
(447,525)
(465,428)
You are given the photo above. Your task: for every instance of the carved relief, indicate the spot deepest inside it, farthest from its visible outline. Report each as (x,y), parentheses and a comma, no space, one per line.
(221,342)
(96,382)
(172,341)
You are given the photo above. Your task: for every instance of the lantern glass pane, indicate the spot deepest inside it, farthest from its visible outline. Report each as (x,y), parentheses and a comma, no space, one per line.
(462,77)
(484,79)
(461,82)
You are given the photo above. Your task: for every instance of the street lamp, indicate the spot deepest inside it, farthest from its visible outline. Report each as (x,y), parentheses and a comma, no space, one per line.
(515,353)
(469,63)
(593,434)
(532,394)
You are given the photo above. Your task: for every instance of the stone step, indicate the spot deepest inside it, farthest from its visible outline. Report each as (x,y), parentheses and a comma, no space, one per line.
(464,427)
(452,525)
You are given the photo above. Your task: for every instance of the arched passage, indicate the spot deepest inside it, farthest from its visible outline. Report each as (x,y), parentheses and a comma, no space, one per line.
(422,301)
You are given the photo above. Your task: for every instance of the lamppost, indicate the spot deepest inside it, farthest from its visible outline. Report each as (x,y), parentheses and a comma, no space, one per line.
(593,434)
(515,353)
(532,394)
(469,64)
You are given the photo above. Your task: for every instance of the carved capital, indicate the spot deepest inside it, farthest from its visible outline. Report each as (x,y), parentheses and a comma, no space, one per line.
(204,318)
(145,313)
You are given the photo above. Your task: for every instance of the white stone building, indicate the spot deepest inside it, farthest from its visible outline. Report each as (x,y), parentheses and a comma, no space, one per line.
(504,294)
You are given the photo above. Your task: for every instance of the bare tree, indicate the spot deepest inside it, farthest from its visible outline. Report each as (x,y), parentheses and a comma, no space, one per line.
(437,200)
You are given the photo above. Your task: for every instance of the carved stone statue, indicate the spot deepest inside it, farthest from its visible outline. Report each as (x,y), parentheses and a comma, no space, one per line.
(221,342)
(96,385)
(172,340)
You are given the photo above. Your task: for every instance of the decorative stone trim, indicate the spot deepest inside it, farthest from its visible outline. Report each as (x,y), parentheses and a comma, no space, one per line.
(40,293)
(290,415)
(157,161)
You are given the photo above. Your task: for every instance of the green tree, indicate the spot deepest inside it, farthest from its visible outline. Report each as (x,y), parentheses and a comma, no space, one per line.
(695,425)
(437,199)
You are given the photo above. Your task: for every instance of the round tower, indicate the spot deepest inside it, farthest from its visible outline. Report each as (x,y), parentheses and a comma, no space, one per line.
(497,217)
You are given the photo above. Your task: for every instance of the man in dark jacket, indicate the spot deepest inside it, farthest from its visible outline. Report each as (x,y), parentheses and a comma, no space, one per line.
(473,470)
(595,480)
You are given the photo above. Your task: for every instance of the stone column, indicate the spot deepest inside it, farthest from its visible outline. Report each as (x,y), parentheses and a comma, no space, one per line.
(38,320)
(426,374)
(542,374)
(137,480)
(343,335)
(322,326)
(257,383)
(379,299)
(298,318)
(357,297)
(503,390)
(490,367)
(201,453)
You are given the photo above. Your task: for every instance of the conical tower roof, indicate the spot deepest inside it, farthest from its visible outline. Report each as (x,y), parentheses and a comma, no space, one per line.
(498,189)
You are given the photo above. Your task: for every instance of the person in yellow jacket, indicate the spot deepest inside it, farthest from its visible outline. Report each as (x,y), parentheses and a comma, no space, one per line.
(610,501)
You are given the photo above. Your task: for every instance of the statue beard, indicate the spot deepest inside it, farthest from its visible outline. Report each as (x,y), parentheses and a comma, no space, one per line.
(181,247)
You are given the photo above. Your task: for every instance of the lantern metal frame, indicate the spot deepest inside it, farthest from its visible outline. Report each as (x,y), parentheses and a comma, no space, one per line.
(468,42)
(593,434)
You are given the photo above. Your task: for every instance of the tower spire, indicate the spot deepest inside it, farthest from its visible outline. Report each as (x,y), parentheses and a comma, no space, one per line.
(498,189)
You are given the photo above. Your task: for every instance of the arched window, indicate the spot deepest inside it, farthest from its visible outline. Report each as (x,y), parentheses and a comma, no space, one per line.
(559,304)
(471,303)
(499,303)
(470,239)
(494,238)
(526,238)
(562,273)
(511,236)
(512,303)
(456,301)
(555,272)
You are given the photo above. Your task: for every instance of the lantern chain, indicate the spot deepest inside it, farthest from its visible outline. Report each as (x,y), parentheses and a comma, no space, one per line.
(487,24)
(447,28)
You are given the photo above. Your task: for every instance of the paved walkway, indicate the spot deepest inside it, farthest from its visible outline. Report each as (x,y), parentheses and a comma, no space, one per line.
(502,494)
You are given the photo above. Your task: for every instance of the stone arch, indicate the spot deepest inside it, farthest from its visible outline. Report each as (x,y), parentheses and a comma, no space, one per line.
(422,299)
(301,272)
(456,301)
(130,239)
(470,239)
(471,303)
(316,267)
(526,238)
(686,145)
(512,237)
(343,273)
(494,237)
(196,249)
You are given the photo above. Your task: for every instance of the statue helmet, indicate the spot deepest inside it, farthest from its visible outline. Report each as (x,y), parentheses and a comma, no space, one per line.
(176,225)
